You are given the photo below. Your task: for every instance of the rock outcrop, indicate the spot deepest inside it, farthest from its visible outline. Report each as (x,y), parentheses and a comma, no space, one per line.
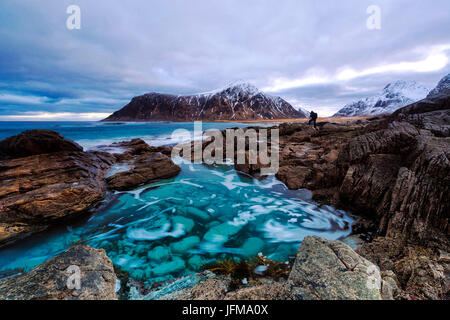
(52,178)
(34,142)
(333,271)
(38,190)
(146,164)
(57,279)
(239,101)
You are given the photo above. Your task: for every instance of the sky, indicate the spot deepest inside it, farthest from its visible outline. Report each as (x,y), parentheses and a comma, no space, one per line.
(318,55)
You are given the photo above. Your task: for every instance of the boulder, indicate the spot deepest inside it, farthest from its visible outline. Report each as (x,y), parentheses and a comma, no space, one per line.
(33,142)
(38,190)
(56,279)
(146,164)
(333,271)
(145,168)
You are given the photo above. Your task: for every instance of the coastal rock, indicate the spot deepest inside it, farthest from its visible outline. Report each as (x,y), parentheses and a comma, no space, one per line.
(418,269)
(49,281)
(38,190)
(143,164)
(333,271)
(34,142)
(145,168)
(45,178)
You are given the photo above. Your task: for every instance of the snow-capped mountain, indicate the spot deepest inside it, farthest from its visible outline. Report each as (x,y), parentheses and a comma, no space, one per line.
(238,101)
(443,87)
(394,96)
(303,110)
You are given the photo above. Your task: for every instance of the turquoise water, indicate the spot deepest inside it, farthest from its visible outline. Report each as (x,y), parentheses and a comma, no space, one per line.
(172,227)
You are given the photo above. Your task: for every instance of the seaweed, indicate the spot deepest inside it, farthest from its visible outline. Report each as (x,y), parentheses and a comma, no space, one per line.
(239,270)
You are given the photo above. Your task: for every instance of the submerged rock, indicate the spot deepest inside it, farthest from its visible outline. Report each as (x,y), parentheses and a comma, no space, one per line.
(159,254)
(185,244)
(175,265)
(252,247)
(50,280)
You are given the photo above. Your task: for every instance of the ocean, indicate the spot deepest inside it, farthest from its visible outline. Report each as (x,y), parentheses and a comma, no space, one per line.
(173,227)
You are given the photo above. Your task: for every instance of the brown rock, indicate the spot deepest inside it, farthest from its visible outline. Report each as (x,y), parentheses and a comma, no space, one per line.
(36,191)
(34,142)
(145,168)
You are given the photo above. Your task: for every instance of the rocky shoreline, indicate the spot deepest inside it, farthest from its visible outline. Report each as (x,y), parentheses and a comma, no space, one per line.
(45,178)
(395,170)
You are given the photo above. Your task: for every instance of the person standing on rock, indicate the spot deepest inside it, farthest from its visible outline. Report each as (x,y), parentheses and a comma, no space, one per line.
(313,119)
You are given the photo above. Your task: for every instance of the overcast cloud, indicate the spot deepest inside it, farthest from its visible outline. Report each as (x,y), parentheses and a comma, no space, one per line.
(316,54)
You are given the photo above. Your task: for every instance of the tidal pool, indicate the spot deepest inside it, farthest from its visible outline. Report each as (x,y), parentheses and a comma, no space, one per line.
(173,227)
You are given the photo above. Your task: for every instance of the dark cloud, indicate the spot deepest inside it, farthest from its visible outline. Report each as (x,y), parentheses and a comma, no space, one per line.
(127,48)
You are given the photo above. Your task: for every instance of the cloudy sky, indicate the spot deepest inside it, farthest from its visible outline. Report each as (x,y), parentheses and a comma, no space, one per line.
(314,54)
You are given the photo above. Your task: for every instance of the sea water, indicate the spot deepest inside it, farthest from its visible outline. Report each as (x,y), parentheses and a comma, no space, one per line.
(173,227)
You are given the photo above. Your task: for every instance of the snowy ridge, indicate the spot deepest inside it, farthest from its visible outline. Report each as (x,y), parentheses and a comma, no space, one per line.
(395,95)
(238,101)
(442,87)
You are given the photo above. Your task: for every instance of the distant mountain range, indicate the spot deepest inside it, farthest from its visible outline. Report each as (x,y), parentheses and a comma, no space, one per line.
(394,96)
(238,101)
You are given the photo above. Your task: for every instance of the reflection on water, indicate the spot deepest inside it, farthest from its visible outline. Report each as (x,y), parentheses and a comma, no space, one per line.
(173,227)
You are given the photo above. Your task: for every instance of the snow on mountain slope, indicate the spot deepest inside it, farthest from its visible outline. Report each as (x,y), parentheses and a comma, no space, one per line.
(238,101)
(443,87)
(394,96)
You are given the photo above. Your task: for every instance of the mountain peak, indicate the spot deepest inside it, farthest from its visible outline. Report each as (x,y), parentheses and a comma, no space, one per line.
(238,87)
(394,96)
(238,101)
(442,87)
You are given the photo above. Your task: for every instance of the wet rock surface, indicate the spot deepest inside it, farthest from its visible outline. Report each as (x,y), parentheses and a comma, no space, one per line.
(146,164)
(37,191)
(49,281)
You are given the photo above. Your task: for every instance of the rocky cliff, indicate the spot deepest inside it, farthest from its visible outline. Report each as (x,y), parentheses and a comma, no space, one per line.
(239,101)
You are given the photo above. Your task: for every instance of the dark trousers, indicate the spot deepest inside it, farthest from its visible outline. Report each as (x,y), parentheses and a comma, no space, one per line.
(313,121)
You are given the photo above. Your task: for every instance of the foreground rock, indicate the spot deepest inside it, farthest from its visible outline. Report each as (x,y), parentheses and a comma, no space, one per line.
(50,280)
(45,178)
(36,191)
(333,271)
